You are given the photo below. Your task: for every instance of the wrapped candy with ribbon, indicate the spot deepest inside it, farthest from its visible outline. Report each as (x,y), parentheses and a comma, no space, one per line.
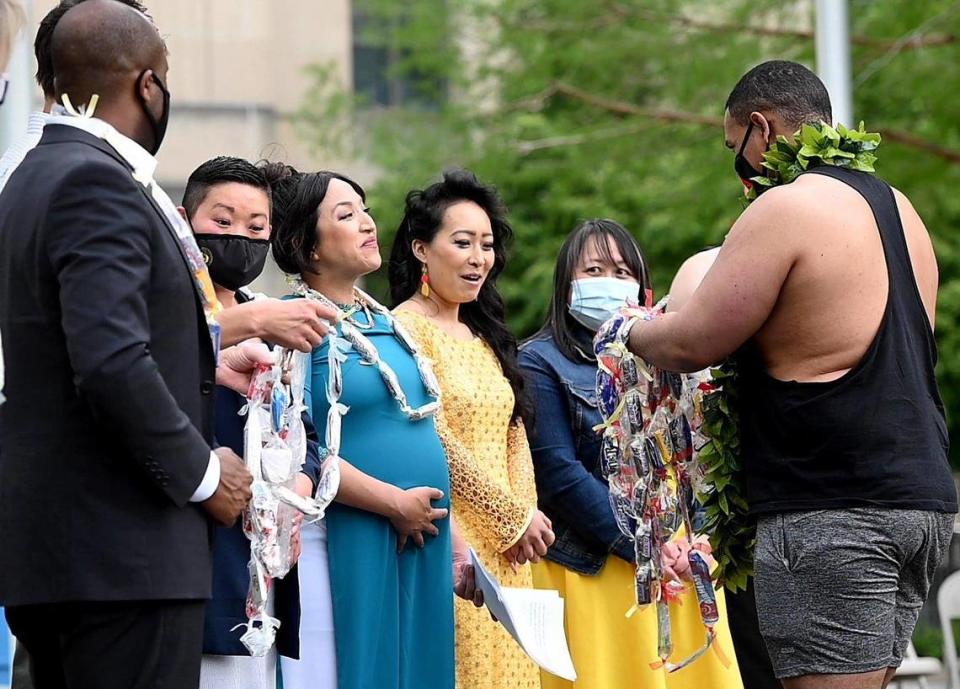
(651,418)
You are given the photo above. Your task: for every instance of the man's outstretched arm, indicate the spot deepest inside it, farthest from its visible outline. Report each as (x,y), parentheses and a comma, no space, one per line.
(737,294)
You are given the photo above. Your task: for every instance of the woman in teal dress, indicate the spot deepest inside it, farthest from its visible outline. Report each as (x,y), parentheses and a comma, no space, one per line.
(388,537)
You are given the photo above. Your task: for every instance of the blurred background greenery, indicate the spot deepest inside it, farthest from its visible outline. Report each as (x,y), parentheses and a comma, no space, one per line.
(613,108)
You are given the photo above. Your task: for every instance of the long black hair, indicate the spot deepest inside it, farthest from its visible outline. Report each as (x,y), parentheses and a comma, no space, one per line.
(560,324)
(296,203)
(422,219)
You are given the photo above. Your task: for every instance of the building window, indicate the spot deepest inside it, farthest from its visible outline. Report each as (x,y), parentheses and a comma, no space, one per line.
(374,67)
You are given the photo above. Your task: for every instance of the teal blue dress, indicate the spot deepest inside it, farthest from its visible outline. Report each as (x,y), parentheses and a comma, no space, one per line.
(393,613)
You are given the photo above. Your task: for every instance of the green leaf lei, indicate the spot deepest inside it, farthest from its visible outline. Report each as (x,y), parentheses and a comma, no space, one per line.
(813,145)
(733,532)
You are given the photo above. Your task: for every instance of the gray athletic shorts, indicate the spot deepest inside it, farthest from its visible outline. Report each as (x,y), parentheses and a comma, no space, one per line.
(839,591)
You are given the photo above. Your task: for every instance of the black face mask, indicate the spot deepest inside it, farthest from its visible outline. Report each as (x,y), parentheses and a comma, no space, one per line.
(159,126)
(744,169)
(233,261)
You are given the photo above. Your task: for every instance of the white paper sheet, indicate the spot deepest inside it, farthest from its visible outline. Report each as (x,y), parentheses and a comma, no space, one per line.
(534,618)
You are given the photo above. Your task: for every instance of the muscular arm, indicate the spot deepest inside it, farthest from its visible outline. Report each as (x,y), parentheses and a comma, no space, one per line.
(738,293)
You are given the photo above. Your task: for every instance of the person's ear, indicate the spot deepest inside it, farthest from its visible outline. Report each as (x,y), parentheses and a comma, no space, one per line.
(183,213)
(419,249)
(763,123)
(143,84)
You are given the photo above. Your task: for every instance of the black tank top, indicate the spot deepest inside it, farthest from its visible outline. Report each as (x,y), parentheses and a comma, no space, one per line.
(874,437)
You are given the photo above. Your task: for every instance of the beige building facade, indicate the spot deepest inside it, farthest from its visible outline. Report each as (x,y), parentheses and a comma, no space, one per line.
(237,75)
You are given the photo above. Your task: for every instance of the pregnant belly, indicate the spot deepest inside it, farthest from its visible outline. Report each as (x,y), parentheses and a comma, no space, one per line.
(403,453)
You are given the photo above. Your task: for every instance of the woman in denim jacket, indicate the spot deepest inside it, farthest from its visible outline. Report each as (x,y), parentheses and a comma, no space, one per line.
(591,563)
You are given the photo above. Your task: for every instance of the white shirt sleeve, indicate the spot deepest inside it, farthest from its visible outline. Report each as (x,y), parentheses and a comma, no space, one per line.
(211,479)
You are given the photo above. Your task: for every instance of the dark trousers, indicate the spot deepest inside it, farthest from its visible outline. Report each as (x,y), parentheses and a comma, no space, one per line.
(20,678)
(116,645)
(756,671)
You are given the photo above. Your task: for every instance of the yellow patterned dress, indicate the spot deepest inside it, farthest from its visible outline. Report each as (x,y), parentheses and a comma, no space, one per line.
(493,493)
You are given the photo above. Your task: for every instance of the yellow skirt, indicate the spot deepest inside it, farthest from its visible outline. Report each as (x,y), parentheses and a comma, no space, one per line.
(611,651)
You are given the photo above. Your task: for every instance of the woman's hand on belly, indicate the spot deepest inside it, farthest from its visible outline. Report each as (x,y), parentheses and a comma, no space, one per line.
(413,514)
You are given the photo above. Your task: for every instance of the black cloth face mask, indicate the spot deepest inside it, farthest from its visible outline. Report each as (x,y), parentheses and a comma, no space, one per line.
(233,261)
(746,171)
(159,126)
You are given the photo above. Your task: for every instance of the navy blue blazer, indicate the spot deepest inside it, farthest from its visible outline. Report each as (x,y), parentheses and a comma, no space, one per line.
(231,553)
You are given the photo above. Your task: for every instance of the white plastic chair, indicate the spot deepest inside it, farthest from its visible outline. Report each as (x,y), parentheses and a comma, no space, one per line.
(916,669)
(948,602)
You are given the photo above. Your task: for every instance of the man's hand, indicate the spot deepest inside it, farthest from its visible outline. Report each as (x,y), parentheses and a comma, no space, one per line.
(304,488)
(233,493)
(294,323)
(413,514)
(237,364)
(534,542)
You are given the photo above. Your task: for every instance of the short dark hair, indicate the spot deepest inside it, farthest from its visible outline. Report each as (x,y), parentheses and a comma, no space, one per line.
(559,323)
(296,200)
(42,46)
(422,219)
(221,170)
(788,89)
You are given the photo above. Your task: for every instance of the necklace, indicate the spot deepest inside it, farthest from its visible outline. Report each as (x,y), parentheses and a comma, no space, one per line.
(814,145)
(350,337)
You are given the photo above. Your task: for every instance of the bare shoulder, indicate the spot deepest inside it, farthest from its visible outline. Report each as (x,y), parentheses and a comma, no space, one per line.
(908,214)
(689,277)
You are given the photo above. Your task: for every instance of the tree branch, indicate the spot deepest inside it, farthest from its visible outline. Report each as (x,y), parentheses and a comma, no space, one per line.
(626,109)
(618,14)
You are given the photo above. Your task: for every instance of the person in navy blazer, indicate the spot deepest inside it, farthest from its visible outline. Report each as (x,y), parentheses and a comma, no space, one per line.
(107,478)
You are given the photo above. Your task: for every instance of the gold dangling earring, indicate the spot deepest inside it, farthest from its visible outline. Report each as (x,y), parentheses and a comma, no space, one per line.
(425,283)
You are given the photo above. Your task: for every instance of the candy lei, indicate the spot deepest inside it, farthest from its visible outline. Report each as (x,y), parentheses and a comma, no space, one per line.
(275,447)
(353,338)
(650,429)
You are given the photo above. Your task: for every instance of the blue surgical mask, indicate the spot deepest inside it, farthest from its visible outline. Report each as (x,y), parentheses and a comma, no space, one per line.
(594,300)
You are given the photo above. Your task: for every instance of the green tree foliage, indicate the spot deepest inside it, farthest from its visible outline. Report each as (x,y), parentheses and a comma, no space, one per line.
(613,108)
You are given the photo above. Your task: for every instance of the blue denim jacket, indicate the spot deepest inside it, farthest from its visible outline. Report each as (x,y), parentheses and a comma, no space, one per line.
(566,458)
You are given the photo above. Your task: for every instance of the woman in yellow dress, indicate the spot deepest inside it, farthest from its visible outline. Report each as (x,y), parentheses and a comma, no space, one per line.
(447,254)
(591,564)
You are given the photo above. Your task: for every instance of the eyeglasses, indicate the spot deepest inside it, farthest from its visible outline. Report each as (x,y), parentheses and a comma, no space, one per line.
(4,83)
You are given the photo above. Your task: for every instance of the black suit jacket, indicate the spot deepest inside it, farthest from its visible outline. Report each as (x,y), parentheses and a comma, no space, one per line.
(110,372)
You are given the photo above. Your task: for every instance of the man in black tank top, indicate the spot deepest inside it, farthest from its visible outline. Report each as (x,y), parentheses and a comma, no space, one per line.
(825,291)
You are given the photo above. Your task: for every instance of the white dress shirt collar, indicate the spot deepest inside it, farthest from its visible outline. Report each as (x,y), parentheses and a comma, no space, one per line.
(144,165)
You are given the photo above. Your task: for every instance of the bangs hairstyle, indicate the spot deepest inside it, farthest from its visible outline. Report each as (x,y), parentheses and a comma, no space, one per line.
(221,170)
(422,219)
(296,201)
(559,323)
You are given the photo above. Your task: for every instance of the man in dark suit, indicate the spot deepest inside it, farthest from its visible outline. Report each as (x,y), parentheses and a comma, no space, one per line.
(107,478)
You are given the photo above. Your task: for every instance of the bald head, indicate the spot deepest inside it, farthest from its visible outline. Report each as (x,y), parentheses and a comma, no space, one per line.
(102,46)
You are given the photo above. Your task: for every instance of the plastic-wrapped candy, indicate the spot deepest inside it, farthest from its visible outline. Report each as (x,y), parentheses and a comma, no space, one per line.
(644,584)
(610,455)
(360,343)
(644,538)
(648,458)
(608,397)
(633,411)
(664,637)
(706,595)
(334,420)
